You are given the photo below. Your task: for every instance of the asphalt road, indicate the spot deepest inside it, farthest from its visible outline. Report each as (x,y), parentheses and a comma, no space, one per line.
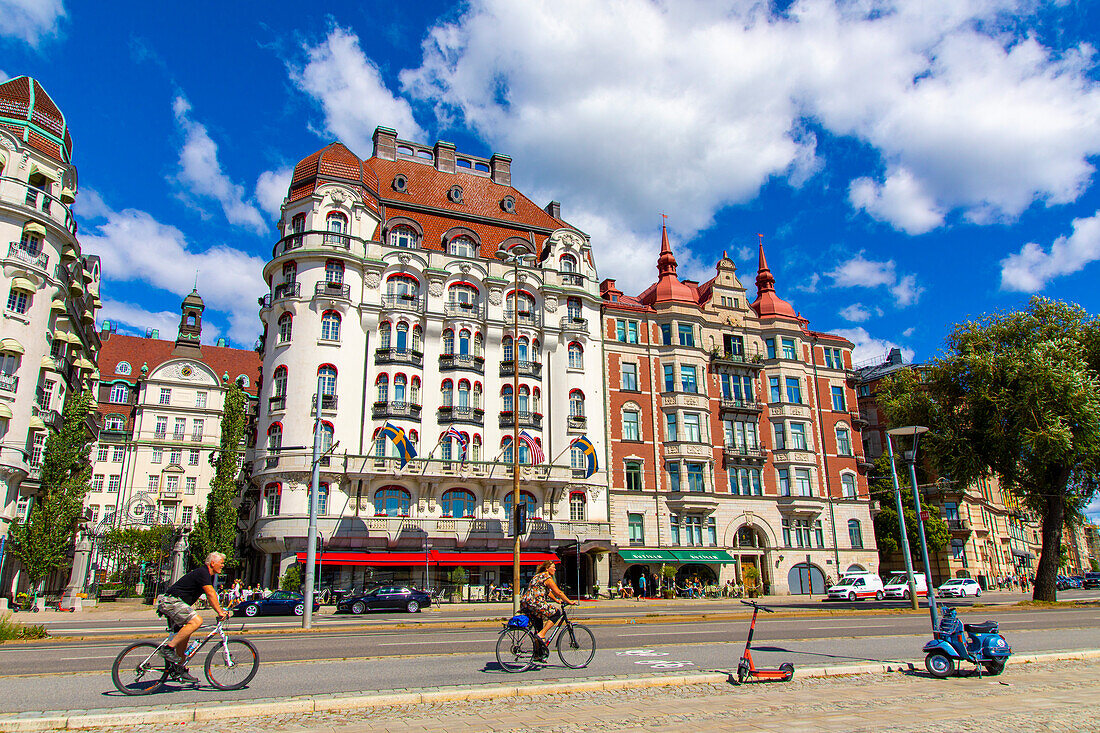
(73,675)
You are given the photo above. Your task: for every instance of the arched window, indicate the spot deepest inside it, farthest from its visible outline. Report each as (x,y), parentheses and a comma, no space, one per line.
(403,236)
(463,296)
(848,485)
(458,503)
(477,395)
(286,327)
(509,348)
(524,401)
(418,340)
(402,343)
(536,354)
(399,384)
(573,308)
(322,499)
(475,448)
(403,285)
(524,452)
(384,335)
(327,374)
(275,436)
(464,342)
(462,247)
(290,271)
(464,393)
(506,397)
(576,356)
(527,499)
(414,391)
(536,397)
(334,272)
(567,263)
(855,534)
(278,382)
(448,341)
(479,345)
(326,436)
(576,403)
(448,393)
(843,442)
(526,304)
(336,225)
(576,506)
(119,393)
(392,501)
(521,349)
(382,388)
(330,326)
(272,496)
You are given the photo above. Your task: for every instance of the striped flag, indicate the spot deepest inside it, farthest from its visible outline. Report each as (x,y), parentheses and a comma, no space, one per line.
(533,448)
(463,441)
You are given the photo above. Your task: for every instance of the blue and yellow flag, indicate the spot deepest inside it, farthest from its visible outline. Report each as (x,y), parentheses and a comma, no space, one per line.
(404,447)
(589,452)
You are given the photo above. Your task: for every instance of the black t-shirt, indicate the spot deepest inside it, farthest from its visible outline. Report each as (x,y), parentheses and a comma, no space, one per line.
(189,587)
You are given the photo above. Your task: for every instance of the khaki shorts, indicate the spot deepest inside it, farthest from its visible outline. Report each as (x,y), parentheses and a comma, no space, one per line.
(175,610)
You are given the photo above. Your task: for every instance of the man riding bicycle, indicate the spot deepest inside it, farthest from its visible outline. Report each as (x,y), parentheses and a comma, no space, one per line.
(538,604)
(175,605)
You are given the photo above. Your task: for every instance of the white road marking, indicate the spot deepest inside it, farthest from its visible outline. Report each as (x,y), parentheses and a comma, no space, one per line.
(667,633)
(449,641)
(850,628)
(98,656)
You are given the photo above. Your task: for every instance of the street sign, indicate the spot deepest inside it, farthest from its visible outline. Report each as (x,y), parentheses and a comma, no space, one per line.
(924,516)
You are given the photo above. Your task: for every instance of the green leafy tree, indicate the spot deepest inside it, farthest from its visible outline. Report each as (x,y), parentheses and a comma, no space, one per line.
(887,527)
(292,579)
(41,543)
(1018,395)
(216,527)
(132,546)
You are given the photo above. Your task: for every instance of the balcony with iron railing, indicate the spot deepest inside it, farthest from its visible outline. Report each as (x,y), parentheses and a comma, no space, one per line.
(394,355)
(21,192)
(404,302)
(406,410)
(315,239)
(525,318)
(461,414)
(276,403)
(571,279)
(326,289)
(281,291)
(526,369)
(574,323)
(730,404)
(458,309)
(858,420)
(753,359)
(468,362)
(40,260)
(328,403)
(961,526)
(744,453)
(9,382)
(52,418)
(526,419)
(576,422)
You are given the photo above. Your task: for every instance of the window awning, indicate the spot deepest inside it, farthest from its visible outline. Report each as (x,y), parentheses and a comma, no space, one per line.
(710,556)
(5,411)
(647,556)
(36,423)
(33,227)
(22,283)
(11,346)
(67,196)
(466,559)
(376,559)
(433,557)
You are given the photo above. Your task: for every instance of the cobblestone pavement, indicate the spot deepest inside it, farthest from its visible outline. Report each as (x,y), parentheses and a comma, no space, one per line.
(1050,696)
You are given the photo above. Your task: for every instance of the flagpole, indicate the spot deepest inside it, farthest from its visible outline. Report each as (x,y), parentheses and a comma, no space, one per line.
(427,459)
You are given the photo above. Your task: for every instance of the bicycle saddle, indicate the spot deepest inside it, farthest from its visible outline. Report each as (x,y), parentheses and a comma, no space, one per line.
(985,627)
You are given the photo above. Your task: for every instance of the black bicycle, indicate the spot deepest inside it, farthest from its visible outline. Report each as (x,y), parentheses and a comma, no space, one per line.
(517,644)
(141,669)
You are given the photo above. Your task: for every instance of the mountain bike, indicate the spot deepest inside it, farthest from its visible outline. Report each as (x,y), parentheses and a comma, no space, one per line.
(141,669)
(517,643)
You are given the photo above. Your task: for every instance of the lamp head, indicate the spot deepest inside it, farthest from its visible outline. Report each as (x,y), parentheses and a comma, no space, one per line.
(908,430)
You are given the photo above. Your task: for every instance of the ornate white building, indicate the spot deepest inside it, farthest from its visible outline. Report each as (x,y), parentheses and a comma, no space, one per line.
(388,294)
(48,341)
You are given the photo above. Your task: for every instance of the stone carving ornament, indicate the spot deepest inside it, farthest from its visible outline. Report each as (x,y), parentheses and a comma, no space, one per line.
(372,280)
(496,296)
(551,305)
(435,287)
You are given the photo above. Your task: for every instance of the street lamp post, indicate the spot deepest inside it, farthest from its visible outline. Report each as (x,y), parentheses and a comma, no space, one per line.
(911,459)
(901,525)
(311,534)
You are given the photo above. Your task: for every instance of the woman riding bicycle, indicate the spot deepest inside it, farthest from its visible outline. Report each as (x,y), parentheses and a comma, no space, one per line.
(538,604)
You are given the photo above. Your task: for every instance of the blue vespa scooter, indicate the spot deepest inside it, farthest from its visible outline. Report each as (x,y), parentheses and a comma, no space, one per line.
(982,646)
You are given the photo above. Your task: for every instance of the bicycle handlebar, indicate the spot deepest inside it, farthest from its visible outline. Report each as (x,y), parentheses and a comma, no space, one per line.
(754,604)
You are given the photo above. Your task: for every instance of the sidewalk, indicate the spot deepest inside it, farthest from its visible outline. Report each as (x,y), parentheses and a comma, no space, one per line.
(1045,695)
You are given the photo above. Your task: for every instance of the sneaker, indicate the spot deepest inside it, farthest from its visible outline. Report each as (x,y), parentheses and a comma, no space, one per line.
(184,675)
(170,654)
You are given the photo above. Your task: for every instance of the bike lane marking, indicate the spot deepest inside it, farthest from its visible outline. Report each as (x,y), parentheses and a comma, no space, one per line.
(652,663)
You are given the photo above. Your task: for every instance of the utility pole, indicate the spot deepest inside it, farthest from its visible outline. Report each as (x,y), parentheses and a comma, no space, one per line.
(311,535)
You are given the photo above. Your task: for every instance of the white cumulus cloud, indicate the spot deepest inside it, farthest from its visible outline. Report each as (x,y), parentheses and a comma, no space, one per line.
(899,200)
(855,313)
(868,347)
(201,174)
(135,247)
(352,94)
(136,320)
(1030,269)
(30,20)
(860,272)
(271,189)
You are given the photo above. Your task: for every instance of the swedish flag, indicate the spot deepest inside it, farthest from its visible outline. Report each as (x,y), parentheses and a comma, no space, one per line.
(589,452)
(404,447)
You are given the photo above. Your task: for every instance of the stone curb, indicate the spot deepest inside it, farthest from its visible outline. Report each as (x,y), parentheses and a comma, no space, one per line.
(80,719)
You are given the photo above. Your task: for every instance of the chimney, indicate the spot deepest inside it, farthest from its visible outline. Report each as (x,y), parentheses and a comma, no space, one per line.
(500,169)
(445,157)
(223,342)
(894,357)
(152,333)
(553,209)
(385,143)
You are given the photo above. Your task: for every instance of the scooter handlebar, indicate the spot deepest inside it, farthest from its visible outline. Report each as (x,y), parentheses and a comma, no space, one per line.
(757,605)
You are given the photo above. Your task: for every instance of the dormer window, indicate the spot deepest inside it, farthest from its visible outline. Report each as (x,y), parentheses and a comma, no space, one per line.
(508,204)
(403,236)
(400,183)
(455,194)
(462,247)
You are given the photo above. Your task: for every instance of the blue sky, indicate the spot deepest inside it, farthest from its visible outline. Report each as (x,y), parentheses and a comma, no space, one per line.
(910,164)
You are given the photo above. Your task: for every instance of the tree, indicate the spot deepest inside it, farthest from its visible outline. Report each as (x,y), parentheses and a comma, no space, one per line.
(216,527)
(132,546)
(887,528)
(1018,395)
(292,579)
(41,543)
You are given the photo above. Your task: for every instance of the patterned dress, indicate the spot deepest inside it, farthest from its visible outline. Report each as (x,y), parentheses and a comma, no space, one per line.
(536,601)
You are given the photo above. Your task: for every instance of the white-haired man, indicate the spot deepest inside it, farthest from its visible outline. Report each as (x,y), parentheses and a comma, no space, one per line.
(175,605)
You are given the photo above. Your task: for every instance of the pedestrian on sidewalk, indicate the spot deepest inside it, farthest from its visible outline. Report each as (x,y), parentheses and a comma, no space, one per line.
(641,586)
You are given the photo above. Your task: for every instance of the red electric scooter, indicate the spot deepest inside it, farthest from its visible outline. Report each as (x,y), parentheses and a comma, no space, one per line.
(746,669)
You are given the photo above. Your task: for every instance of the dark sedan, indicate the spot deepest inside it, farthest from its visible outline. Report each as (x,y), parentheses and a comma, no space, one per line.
(281,602)
(385,598)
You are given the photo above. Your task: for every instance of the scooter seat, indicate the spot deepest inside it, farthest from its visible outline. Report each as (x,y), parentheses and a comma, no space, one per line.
(985,627)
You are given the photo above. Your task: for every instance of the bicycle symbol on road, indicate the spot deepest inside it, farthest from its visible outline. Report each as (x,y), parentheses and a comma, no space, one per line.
(655,663)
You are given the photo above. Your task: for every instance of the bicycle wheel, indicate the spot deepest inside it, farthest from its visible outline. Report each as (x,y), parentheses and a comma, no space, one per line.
(232,665)
(139,669)
(576,646)
(515,650)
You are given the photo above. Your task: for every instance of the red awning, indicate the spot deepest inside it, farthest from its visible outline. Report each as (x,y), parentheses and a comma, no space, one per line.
(448,559)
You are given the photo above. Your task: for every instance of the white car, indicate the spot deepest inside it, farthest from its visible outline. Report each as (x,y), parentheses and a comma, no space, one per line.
(959,588)
(897,585)
(855,587)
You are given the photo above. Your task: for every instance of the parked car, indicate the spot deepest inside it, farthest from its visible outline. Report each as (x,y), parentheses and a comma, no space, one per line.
(897,585)
(385,598)
(857,586)
(1077,580)
(959,588)
(1092,580)
(281,602)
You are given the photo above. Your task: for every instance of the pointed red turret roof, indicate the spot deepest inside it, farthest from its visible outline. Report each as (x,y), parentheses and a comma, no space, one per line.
(767,303)
(668,287)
